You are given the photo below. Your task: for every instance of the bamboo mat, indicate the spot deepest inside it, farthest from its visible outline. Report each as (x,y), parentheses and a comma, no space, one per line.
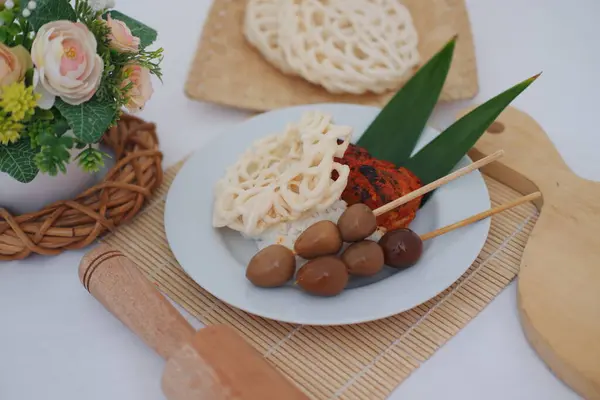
(364,361)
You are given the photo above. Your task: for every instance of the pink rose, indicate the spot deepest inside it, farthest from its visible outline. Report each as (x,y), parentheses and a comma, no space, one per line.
(121,37)
(141,86)
(13,64)
(67,64)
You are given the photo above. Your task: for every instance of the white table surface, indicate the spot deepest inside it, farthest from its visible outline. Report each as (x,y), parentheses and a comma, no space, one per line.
(57,342)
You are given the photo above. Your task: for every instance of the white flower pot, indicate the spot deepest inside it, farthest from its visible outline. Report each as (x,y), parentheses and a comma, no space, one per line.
(19,198)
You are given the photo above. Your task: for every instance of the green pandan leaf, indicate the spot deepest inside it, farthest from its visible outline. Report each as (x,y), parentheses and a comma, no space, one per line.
(441,155)
(89,121)
(146,34)
(17,161)
(393,134)
(51,10)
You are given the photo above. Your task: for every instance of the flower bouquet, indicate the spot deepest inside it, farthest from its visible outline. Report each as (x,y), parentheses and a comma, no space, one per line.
(68,70)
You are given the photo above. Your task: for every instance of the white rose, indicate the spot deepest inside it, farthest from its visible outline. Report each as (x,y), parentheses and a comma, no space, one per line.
(67,65)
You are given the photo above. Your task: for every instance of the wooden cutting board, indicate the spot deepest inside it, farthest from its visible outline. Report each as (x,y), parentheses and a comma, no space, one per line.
(559,281)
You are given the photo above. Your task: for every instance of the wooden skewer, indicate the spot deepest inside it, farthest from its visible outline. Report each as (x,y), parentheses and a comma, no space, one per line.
(435,184)
(481,216)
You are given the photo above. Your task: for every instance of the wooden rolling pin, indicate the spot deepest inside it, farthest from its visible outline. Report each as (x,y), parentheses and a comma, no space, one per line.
(213,363)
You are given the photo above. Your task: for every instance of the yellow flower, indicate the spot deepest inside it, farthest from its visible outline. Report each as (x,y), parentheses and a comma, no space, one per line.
(10,131)
(18,100)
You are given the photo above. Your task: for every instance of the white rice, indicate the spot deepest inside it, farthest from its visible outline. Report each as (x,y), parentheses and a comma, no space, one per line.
(286,233)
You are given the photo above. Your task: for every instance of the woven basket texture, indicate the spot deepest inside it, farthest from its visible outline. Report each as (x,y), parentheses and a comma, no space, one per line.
(76,223)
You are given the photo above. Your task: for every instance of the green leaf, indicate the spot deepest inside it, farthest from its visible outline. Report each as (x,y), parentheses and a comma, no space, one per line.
(7,16)
(65,141)
(17,161)
(44,115)
(441,155)
(53,155)
(51,10)
(61,127)
(90,120)
(14,29)
(3,34)
(46,139)
(146,34)
(29,77)
(392,136)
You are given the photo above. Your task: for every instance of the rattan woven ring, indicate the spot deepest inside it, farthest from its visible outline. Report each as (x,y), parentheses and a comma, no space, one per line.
(74,224)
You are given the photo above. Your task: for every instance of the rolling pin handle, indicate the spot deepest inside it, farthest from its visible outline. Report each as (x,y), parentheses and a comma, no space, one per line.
(214,363)
(117,283)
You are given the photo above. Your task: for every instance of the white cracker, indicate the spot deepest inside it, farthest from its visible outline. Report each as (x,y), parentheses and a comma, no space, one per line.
(349,46)
(283,177)
(261,29)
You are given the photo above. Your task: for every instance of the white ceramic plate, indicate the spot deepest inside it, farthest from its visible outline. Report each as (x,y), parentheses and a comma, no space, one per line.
(216,258)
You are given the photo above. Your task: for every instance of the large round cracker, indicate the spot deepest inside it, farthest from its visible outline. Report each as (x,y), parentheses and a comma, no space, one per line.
(349,46)
(261,29)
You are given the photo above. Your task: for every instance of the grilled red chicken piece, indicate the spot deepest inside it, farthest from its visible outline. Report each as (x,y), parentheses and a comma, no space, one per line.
(376,182)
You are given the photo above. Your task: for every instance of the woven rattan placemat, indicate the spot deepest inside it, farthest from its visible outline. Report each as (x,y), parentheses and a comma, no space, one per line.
(365,361)
(226,70)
